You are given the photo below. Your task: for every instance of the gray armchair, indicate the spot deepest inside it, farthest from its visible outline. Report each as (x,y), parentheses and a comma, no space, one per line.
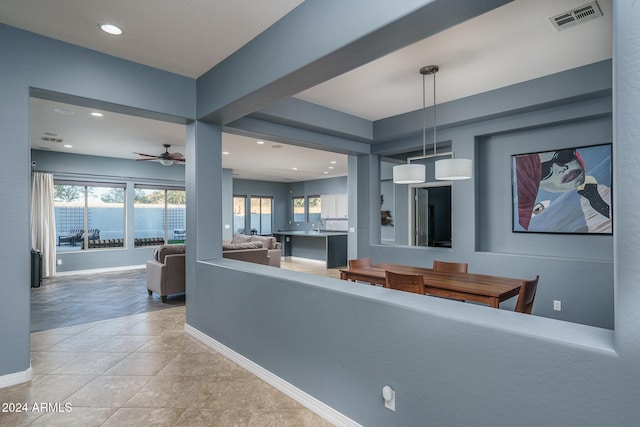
(166,271)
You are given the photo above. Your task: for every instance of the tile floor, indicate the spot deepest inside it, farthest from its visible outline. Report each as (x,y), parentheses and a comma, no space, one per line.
(309,266)
(140,370)
(143,369)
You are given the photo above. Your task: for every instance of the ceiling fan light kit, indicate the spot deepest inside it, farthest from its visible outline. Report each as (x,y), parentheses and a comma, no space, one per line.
(166,158)
(447,169)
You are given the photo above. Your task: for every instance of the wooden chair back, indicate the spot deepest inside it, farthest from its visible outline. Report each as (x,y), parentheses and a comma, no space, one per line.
(405,282)
(360,263)
(527,295)
(450,267)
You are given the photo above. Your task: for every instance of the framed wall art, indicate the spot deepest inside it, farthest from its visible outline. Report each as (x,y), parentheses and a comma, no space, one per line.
(568,190)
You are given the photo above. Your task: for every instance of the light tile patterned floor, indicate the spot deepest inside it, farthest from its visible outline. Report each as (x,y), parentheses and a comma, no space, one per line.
(142,370)
(309,266)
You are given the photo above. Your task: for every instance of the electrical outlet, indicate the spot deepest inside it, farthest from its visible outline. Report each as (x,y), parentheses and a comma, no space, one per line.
(59,262)
(557,305)
(389,396)
(352,229)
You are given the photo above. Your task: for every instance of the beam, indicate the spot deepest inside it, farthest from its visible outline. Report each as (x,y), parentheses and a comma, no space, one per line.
(317,41)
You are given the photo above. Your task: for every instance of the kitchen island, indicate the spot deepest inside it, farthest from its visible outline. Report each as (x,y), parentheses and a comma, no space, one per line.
(328,246)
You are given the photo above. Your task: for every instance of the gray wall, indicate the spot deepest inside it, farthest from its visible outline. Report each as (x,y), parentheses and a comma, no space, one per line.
(279,192)
(282,193)
(78,73)
(337,341)
(336,185)
(574,269)
(449,362)
(105,169)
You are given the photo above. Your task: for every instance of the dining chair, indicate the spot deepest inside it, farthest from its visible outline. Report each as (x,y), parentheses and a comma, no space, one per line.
(360,263)
(405,282)
(527,295)
(450,267)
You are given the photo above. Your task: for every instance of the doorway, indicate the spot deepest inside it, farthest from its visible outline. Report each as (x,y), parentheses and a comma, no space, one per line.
(431,211)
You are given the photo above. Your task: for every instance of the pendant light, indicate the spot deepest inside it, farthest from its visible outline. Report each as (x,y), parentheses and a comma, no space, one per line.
(446,169)
(416,173)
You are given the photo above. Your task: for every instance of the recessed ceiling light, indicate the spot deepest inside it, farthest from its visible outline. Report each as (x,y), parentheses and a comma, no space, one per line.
(111,29)
(325,172)
(225,152)
(63,111)
(96,114)
(333,162)
(260,142)
(68,146)
(330,167)
(295,169)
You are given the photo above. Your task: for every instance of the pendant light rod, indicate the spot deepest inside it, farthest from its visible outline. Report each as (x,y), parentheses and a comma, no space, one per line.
(426,71)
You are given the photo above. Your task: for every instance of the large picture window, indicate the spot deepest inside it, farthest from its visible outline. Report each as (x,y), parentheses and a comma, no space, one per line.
(261,214)
(239,214)
(89,215)
(159,215)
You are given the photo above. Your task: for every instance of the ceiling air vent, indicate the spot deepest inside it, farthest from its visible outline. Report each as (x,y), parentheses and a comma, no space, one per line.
(51,139)
(576,16)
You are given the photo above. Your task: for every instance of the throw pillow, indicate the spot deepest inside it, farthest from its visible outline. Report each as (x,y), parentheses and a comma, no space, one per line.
(268,242)
(240,238)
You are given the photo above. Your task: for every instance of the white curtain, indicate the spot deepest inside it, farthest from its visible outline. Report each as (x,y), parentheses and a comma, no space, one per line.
(43,221)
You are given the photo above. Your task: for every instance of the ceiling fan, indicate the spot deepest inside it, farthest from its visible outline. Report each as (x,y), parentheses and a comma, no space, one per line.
(166,158)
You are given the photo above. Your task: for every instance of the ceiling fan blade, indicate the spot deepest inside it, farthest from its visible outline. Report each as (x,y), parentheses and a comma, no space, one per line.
(143,154)
(150,158)
(175,156)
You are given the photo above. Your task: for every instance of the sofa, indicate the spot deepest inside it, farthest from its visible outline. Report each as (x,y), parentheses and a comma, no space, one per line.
(257,249)
(166,271)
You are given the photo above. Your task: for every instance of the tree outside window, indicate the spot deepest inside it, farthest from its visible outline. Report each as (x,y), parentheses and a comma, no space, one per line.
(299,209)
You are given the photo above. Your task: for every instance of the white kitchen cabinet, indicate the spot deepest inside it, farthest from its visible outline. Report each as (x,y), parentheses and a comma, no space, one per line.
(334,206)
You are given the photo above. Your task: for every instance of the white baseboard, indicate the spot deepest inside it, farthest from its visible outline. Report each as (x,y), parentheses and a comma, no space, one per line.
(16,378)
(324,411)
(100,270)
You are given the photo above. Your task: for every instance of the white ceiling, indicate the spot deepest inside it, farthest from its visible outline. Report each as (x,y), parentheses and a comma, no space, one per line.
(511,44)
(119,135)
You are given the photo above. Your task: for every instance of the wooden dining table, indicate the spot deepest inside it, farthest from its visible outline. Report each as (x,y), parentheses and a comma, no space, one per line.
(481,288)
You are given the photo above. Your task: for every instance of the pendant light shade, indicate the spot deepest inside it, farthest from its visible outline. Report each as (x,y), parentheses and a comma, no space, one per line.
(411,173)
(454,169)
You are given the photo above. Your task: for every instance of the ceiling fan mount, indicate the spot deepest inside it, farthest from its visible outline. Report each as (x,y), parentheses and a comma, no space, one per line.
(166,158)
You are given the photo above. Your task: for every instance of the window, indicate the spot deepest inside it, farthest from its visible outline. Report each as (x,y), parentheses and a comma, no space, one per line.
(261,214)
(89,215)
(315,208)
(159,215)
(239,214)
(299,211)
